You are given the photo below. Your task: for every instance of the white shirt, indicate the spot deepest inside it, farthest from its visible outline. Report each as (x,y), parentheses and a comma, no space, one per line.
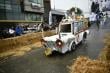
(11,31)
(92,17)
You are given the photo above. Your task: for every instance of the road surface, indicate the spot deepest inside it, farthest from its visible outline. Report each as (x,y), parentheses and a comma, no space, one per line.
(36,62)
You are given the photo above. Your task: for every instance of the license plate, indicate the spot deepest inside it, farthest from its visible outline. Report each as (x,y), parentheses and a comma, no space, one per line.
(48,51)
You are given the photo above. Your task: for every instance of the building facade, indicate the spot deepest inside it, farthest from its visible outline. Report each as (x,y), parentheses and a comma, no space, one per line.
(55,16)
(47,8)
(31,10)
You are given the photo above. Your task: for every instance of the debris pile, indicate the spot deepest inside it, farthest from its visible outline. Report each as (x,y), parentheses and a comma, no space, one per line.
(27,39)
(101,65)
(86,65)
(105,54)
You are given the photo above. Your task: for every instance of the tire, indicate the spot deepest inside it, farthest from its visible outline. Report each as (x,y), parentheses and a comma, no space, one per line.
(73,46)
(84,37)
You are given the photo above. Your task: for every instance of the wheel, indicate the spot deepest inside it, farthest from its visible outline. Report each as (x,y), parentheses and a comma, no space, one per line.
(73,46)
(84,37)
(83,40)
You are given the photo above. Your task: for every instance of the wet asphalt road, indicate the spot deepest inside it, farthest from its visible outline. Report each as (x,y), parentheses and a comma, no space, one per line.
(36,62)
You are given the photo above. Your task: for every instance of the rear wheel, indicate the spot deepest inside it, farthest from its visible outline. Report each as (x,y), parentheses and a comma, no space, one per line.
(84,37)
(73,46)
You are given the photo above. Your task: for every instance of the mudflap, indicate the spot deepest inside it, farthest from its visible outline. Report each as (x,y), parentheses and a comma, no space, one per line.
(48,51)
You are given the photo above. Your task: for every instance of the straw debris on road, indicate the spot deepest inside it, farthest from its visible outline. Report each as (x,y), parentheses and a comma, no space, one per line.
(18,46)
(86,65)
(101,65)
(105,54)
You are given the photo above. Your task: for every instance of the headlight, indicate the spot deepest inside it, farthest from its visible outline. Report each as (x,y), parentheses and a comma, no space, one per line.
(59,43)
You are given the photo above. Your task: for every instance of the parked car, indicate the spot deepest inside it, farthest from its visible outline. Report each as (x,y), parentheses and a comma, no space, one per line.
(6,33)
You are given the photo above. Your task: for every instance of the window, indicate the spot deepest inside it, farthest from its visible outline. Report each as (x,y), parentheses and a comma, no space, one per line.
(2,10)
(78,26)
(75,27)
(2,6)
(16,8)
(16,2)
(38,17)
(9,16)
(16,16)
(8,6)
(39,1)
(2,16)
(1,1)
(66,28)
(30,0)
(34,17)
(7,1)
(22,16)
(36,1)
(28,16)
(82,23)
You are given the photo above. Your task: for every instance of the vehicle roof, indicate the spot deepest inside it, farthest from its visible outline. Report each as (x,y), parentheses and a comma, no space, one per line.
(69,21)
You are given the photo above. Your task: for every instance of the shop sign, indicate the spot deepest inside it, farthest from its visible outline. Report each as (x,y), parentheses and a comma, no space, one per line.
(36,6)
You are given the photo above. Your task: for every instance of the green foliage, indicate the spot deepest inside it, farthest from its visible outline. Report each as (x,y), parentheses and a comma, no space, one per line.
(78,11)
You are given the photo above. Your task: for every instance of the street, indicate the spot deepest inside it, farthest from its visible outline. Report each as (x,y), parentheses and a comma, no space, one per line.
(36,62)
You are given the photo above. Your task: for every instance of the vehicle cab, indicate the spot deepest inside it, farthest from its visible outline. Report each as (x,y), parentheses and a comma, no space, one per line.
(70,33)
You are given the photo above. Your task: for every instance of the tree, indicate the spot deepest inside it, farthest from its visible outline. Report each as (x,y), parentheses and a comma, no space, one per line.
(77,11)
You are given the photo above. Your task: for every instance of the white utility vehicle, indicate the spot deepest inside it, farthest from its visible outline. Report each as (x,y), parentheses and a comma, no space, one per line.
(70,33)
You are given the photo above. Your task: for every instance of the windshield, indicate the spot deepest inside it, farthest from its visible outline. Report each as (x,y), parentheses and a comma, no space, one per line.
(65,28)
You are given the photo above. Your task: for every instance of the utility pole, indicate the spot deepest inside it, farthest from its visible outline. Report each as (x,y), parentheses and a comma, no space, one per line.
(54,4)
